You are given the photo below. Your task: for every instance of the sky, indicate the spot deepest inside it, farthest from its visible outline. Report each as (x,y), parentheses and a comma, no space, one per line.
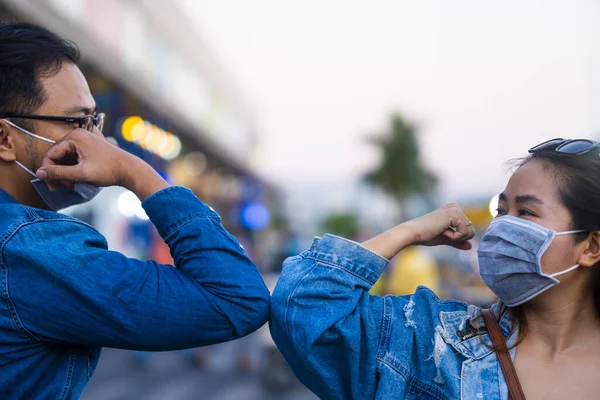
(483,80)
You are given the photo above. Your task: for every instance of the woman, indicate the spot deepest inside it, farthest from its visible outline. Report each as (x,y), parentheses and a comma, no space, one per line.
(538,256)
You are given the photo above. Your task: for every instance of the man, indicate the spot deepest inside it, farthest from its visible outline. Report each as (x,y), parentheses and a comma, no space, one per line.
(63,294)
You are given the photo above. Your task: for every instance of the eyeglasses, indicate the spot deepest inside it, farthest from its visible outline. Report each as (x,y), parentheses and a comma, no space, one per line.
(566,146)
(87,122)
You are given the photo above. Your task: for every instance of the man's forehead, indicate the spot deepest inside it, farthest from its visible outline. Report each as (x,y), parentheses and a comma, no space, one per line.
(79,109)
(67,92)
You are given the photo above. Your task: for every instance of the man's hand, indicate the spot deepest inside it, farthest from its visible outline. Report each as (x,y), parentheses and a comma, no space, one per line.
(85,157)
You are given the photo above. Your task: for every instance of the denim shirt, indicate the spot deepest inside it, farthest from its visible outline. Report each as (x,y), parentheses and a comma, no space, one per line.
(64,295)
(344,343)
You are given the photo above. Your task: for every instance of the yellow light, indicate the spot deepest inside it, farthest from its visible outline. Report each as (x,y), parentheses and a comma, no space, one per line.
(150,137)
(138,131)
(127,127)
(176,150)
(166,145)
(148,133)
(154,139)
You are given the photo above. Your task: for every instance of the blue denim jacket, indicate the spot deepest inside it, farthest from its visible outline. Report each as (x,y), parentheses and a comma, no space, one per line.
(64,295)
(344,343)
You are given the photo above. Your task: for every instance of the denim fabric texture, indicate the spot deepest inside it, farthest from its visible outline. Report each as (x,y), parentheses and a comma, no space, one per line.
(64,295)
(344,343)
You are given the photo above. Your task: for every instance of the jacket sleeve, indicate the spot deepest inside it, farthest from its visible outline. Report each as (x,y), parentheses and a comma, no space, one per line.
(66,286)
(325,322)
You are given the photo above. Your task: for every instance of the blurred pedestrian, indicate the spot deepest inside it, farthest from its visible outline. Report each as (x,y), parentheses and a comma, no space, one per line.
(64,294)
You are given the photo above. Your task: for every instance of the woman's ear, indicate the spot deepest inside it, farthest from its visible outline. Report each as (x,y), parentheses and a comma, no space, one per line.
(7,143)
(591,253)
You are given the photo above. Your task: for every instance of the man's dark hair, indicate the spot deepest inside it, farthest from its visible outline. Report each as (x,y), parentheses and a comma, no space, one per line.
(29,52)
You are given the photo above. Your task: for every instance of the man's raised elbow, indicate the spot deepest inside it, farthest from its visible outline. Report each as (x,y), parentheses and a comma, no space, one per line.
(255,315)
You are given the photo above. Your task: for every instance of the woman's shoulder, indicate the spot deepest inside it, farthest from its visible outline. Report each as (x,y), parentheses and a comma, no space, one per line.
(419,325)
(427,299)
(426,311)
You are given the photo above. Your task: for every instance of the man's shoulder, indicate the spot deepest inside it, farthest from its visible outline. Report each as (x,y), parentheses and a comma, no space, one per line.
(13,217)
(46,225)
(20,214)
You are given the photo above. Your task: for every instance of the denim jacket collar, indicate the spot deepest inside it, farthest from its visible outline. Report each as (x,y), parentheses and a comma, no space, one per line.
(467,333)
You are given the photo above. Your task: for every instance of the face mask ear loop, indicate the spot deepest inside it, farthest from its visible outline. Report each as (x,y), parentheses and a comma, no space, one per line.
(26,169)
(570,232)
(574,266)
(25,131)
(565,271)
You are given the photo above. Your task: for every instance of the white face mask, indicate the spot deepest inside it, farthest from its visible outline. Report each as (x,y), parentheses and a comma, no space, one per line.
(63,197)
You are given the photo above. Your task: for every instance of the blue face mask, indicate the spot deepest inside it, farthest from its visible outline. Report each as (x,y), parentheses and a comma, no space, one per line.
(510,259)
(63,197)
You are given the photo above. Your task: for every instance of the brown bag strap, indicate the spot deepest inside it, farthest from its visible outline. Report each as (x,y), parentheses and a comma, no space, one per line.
(508,369)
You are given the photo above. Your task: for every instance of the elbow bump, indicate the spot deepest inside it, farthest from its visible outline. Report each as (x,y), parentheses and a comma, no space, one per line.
(254,320)
(278,306)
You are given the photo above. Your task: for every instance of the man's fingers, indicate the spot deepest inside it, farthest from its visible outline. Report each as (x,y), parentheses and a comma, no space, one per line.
(69,185)
(59,153)
(52,186)
(98,133)
(71,173)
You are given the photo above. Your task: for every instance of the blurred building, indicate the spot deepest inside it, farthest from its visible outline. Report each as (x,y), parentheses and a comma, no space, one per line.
(167,100)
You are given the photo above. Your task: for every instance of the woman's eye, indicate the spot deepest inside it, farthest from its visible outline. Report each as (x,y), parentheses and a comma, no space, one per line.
(499,212)
(525,213)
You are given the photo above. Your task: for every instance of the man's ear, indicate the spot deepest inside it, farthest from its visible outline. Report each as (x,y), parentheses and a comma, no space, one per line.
(591,252)
(7,142)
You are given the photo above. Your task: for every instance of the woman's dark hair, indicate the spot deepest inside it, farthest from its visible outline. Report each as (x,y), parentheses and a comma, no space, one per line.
(579,192)
(29,52)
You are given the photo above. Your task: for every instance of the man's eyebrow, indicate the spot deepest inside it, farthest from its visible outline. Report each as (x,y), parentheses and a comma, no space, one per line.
(79,110)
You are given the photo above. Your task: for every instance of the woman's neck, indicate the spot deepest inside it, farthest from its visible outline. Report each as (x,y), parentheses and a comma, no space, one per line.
(558,322)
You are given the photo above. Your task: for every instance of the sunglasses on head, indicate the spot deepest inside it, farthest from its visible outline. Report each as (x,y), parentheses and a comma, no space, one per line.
(565,146)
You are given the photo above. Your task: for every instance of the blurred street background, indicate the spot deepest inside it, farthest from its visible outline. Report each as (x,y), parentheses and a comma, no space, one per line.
(170,376)
(293,119)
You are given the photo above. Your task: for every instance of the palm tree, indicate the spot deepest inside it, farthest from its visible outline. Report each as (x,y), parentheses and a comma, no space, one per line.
(343,224)
(400,172)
